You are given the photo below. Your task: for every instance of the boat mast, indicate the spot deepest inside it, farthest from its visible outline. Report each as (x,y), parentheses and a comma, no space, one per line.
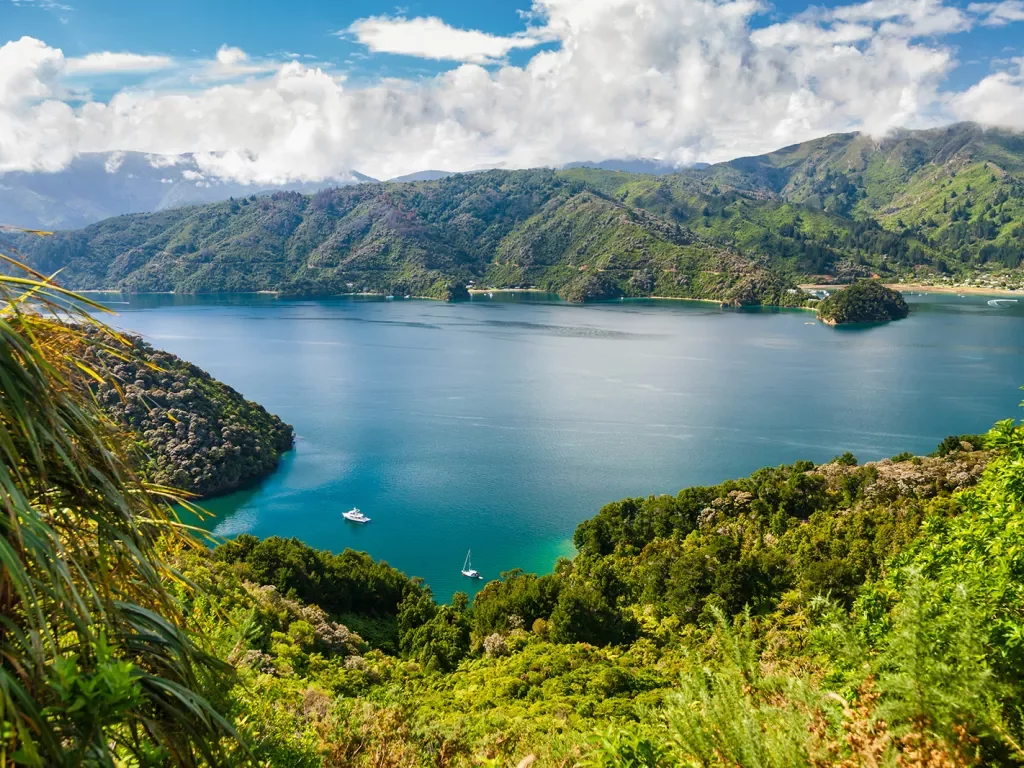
(465,565)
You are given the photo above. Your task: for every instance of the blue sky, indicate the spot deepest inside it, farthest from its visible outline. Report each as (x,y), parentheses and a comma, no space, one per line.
(268,27)
(386,88)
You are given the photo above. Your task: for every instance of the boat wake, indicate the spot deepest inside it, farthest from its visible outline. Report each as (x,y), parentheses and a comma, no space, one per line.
(998,302)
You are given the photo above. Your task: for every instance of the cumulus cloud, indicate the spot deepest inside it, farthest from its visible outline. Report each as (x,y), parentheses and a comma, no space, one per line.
(676,80)
(108,62)
(997,100)
(230,63)
(431,38)
(999,14)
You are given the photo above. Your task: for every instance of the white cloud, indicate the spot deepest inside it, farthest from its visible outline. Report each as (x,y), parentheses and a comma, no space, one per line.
(909,18)
(228,56)
(114,162)
(677,80)
(231,63)
(48,5)
(108,62)
(794,34)
(431,38)
(999,14)
(997,100)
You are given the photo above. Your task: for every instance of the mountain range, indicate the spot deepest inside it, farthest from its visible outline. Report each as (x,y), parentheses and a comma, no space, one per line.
(96,186)
(99,185)
(917,204)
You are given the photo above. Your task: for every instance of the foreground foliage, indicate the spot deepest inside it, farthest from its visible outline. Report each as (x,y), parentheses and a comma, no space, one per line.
(96,658)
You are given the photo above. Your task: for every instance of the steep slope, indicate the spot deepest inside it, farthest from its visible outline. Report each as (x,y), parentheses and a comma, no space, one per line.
(957,191)
(501,228)
(915,204)
(96,186)
(793,237)
(194,433)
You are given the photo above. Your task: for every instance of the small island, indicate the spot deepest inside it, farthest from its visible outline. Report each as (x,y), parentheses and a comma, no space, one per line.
(866,301)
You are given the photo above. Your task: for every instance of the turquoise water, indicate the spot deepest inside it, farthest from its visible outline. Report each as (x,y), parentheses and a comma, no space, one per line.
(501,423)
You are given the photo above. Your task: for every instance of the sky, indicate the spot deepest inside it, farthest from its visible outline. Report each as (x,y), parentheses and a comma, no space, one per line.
(264,90)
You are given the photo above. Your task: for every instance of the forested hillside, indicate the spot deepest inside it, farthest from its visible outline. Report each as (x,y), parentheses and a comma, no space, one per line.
(192,432)
(804,616)
(921,204)
(426,238)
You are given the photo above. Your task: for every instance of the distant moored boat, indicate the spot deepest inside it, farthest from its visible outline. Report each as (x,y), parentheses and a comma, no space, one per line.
(468,570)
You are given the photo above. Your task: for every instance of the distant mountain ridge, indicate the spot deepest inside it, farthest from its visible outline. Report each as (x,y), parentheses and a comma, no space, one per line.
(500,228)
(922,204)
(918,205)
(96,186)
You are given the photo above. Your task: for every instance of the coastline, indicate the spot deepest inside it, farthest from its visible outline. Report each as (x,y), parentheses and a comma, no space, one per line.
(923,288)
(681,298)
(963,289)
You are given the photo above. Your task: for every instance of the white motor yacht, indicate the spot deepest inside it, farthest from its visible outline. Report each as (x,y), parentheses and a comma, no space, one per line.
(355,516)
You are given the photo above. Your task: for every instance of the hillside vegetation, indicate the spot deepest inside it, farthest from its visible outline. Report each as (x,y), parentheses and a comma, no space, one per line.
(951,198)
(866,301)
(192,432)
(918,205)
(426,238)
(808,615)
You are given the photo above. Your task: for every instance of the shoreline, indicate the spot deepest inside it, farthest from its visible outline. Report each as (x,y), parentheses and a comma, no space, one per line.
(679,298)
(922,288)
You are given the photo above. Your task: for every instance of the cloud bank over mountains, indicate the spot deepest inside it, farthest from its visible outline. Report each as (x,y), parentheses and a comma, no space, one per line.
(676,80)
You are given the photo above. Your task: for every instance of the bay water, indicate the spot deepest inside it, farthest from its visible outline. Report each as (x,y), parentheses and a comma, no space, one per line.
(499,424)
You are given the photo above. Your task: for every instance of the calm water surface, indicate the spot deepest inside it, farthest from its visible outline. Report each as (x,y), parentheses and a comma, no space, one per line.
(501,423)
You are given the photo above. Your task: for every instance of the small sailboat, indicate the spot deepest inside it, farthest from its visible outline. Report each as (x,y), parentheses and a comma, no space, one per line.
(355,516)
(467,568)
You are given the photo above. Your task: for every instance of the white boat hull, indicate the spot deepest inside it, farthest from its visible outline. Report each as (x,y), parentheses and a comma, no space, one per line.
(355,516)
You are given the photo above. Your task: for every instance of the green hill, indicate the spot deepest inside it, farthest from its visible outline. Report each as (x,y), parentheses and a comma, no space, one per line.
(499,228)
(919,205)
(193,433)
(955,193)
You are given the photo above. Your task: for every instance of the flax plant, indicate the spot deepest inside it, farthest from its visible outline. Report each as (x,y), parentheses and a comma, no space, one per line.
(97,666)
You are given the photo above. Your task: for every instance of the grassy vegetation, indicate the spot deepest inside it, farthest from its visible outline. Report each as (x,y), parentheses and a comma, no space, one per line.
(423,239)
